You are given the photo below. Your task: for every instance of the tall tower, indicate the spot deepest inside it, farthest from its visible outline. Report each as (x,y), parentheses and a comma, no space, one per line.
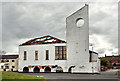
(119,27)
(77,35)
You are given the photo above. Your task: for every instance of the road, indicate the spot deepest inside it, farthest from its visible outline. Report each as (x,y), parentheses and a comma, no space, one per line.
(103,76)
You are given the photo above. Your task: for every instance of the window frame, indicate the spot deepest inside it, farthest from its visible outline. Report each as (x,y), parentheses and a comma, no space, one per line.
(25,55)
(60,53)
(13,60)
(7,60)
(13,66)
(36,55)
(6,67)
(47,55)
(2,67)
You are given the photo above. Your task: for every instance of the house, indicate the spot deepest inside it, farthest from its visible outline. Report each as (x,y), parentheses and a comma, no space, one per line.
(50,54)
(114,61)
(9,63)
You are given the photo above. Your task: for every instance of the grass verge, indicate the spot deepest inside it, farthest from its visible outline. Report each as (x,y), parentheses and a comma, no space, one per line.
(12,76)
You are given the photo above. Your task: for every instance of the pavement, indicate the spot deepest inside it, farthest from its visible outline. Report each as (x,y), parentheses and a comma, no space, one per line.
(110,75)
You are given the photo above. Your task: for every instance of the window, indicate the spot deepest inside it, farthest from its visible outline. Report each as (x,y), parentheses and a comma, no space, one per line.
(7,61)
(2,60)
(80,22)
(36,55)
(60,53)
(47,54)
(13,60)
(5,64)
(25,55)
(7,67)
(90,59)
(13,66)
(1,67)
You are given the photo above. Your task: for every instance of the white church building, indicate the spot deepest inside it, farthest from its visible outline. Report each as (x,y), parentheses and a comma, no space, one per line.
(50,54)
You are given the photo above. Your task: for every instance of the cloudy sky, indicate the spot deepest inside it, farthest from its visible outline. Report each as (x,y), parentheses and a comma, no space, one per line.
(23,21)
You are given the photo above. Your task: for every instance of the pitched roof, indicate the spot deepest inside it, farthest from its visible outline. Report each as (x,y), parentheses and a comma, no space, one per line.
(8,56)
(43,40)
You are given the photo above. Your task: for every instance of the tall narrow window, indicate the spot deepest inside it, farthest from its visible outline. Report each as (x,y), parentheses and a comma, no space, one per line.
(90,57)
(25,55)
(60,53)
(47,54)
(36,55)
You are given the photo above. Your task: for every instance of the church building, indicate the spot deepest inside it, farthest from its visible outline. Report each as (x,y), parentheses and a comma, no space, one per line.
(50,54)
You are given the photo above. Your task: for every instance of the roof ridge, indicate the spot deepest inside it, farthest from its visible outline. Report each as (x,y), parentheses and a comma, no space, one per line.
(47,39)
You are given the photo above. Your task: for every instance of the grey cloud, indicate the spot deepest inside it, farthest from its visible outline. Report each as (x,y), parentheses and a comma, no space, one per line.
(104,22)
(101,50)
(29,20)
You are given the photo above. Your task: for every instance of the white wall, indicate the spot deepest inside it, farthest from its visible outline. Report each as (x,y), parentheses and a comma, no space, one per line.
(119,27)
(78,38)
(41,56)
(78,43)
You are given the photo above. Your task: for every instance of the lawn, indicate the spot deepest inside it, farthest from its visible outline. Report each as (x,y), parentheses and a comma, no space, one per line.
(12,76)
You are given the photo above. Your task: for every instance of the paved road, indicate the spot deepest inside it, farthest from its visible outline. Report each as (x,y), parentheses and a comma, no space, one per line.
(73,76)
(103,76)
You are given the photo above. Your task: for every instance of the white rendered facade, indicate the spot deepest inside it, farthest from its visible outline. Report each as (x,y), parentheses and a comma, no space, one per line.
(64,64)
(78,40)
(78,43)
(41,56)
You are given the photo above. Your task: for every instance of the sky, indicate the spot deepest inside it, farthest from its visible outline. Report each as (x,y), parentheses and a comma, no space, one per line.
(23,21)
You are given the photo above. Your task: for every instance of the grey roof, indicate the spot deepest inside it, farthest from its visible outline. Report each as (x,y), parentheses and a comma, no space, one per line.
(9,56)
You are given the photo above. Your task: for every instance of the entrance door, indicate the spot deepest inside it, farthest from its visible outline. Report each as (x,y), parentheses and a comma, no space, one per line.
(36,70)
(47,69)
(4,69)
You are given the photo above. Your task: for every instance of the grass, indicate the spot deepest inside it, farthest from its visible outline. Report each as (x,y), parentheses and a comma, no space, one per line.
(12,76)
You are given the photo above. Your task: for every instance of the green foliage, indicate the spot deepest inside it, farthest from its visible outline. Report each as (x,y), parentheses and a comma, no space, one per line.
(12,76)
(104,61)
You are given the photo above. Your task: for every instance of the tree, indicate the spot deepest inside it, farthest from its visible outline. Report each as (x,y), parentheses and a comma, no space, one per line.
(104,61)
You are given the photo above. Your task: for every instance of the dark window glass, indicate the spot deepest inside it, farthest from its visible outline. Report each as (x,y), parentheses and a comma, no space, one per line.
(5,64)
(60,53)
(13,66)
(2,60)
(1,67)
(7,67)
(25,55)
(90,59)
(13,60)
(47,54)
(36,55)
(7,61)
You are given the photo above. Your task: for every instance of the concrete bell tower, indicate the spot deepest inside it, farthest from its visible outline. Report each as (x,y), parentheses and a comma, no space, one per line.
(77,35)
